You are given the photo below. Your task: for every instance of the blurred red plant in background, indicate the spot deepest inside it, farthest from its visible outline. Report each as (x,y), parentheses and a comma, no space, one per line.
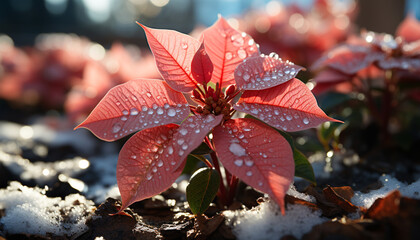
(299,34)
(67,70)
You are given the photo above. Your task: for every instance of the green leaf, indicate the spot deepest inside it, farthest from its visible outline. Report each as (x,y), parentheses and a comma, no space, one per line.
(303,167)
(330,100)
(191,164)
(203,149)
(202,189)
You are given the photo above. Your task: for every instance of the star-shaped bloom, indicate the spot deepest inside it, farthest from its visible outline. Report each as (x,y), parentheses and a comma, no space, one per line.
(211,72)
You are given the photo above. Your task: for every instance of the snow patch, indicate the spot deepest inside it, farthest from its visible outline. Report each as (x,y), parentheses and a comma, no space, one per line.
(389,184)
(28,210)
(266,221)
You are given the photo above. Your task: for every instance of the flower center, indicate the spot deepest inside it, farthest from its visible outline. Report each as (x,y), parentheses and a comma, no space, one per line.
(216,102)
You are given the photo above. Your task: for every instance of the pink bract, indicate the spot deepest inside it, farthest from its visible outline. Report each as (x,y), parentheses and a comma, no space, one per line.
(153,158)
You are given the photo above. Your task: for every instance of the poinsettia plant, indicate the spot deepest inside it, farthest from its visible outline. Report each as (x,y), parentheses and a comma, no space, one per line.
(195,105)
(382,71)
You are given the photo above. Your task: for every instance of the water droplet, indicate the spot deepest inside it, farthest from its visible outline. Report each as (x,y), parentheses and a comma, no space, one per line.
(249,173)
(134,111)
(306,121)
(133,156)
(150,112)
(180,141)
(241,136)
(184,45)
(238,162)
(228,56)
(276,112)
(251,42)
(170,150)
(246,76)
(184,146)
(249,163)
(237,150)
(155,106)
(183,131)
(210,118)
(144,108)
(134,98)
(288,117)
(125,112)
(197,130)
(237,40)
(149,176)
(173,163)
(148,94)
(116,127)
(171,112)
(124,118)
(242,54)
(160,163)
(159,111)
(166,106)
(154,169)
(180,153)
(260,183)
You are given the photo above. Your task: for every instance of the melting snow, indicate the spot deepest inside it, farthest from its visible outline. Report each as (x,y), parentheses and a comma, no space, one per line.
(28,210)
(266,221)
(389,184)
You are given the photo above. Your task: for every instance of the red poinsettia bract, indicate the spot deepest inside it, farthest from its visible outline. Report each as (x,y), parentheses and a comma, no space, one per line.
(212,72)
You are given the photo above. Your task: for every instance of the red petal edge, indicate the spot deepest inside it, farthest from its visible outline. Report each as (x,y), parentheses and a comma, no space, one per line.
(192,132)
(290,106)
(174,52)
(133,106)
(257,154)
(145,164)
(227,48)
(262,72)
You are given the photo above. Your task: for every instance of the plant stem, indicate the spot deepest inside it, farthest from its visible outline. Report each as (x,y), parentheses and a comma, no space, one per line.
(222,188)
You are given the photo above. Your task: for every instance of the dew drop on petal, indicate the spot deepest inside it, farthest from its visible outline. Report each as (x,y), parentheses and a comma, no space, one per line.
(160,163)
(116,127)
(249,163)
(148,95)
(180,153)
(144,108)
(180,141)
(238,162)
(125,112)
(184,45)
(237,149)
(170,150)
(246,76)
(124,118)
(171,112)
(149,176)
(154,169)
(288,117)
(183,131)
(197,130)
(184,146)
(249,173)
(134,111)
(166,106)
(159,111)
(306,121)
(150,112)
(242,54)
(228,56)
